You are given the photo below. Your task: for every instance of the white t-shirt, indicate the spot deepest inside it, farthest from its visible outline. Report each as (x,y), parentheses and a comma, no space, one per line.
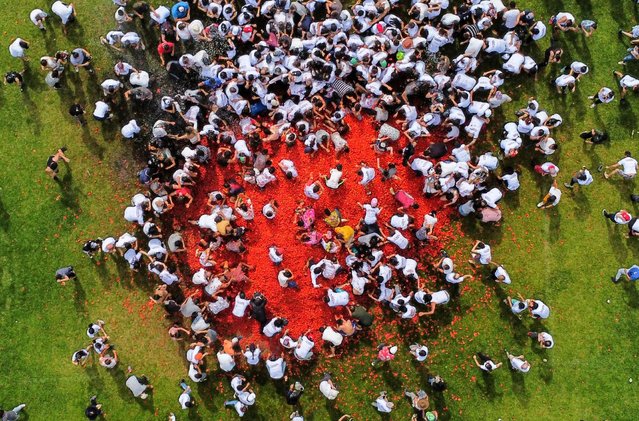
(101,109)
(253,358)
(518,364)
(332,336)
(240,306)
(270,329)
(629,166)
(276,369)
(15,49)
(337,298)
(130,129)
(328,391)
(500,271)
(227,363)
(63,11)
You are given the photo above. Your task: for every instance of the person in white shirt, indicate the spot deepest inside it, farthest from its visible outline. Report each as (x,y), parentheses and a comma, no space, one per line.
(510,179)
(130,130)
(38,17)
(252,354)
(371,211)
(274,326)
(241,303)
(605,95)
(226,361)
(583,177)
(185,399)
(565,82)
(518,363)
(336,298)
(18,48)
(626,167)
(102,111)
(328,388)
(367,174)
(626,82)
(335,178)
(480,253)
(333,337)
(382,404)
(276,367)
(304,347)
(544,339)
(66,13)
(288,167)
(420,352)
(538,309)
(552,198)
(500,274)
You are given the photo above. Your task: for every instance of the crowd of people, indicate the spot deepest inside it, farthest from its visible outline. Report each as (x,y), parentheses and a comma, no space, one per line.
(244,83)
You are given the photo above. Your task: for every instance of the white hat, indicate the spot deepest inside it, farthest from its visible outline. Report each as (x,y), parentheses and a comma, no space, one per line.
(393,349)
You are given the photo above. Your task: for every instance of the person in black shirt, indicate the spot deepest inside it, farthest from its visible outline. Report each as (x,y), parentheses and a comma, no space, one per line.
(435,150)
(52,163)
(15,77)
(294,393)
(94,410)
(77,112)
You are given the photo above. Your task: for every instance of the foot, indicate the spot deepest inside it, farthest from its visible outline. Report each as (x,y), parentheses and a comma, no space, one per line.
(592,105)
(614,280)
(604,213)
(540,204)
(568,186)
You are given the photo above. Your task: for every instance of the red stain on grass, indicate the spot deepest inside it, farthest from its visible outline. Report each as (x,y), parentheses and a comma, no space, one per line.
(304,308)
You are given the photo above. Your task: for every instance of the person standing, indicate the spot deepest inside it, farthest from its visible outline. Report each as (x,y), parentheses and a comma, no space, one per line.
(77,112)
(384,353)
(485,363)
(52,163)
(94,410)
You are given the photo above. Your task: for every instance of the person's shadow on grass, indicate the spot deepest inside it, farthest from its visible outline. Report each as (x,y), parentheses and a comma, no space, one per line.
(487,385)
(79,297)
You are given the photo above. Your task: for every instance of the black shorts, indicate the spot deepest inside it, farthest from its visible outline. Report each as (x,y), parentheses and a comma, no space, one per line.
(51,164)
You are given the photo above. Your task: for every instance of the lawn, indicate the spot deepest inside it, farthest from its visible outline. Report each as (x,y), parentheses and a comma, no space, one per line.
(563,256)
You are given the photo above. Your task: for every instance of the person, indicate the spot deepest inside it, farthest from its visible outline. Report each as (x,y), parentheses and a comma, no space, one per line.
(544,339)
(385,353)
(626,167)
(552,198)
(382,404)
(583,177)
(588,27)
(185,399)
(604,96)
(621,217)
(631,274)
(65,274)
(38,18)
(52,168)
(518,363)
(420,352)
(66,13)
(517,306)
(294,393)
(77,112)
(419,400)
(485,363)
(18,49)
(15,77)
(480,253)
(94,410)
(328,387)
(12,414)
(239,407)
(538,309)
(594,136)
(138,385)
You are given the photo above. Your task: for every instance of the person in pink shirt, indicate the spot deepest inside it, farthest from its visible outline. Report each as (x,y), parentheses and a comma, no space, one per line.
(385,353)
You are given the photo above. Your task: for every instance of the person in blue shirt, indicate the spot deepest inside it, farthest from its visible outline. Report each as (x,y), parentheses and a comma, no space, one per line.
(181,11)
(632,274)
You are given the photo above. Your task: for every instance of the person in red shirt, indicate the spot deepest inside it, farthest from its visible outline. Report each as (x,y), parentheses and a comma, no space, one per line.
(385,353)
(166,48)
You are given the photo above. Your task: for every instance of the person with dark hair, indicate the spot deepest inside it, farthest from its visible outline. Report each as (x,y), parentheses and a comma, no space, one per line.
(485,363)
(94,410)
(65,274)
(552,198)
(15,77)
(185,399)
(626,167)
(544,339)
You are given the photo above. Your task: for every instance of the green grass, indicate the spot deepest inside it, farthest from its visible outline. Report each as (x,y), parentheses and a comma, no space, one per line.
(563,256)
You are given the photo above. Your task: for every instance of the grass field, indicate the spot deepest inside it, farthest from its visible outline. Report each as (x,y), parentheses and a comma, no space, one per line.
(563,256)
